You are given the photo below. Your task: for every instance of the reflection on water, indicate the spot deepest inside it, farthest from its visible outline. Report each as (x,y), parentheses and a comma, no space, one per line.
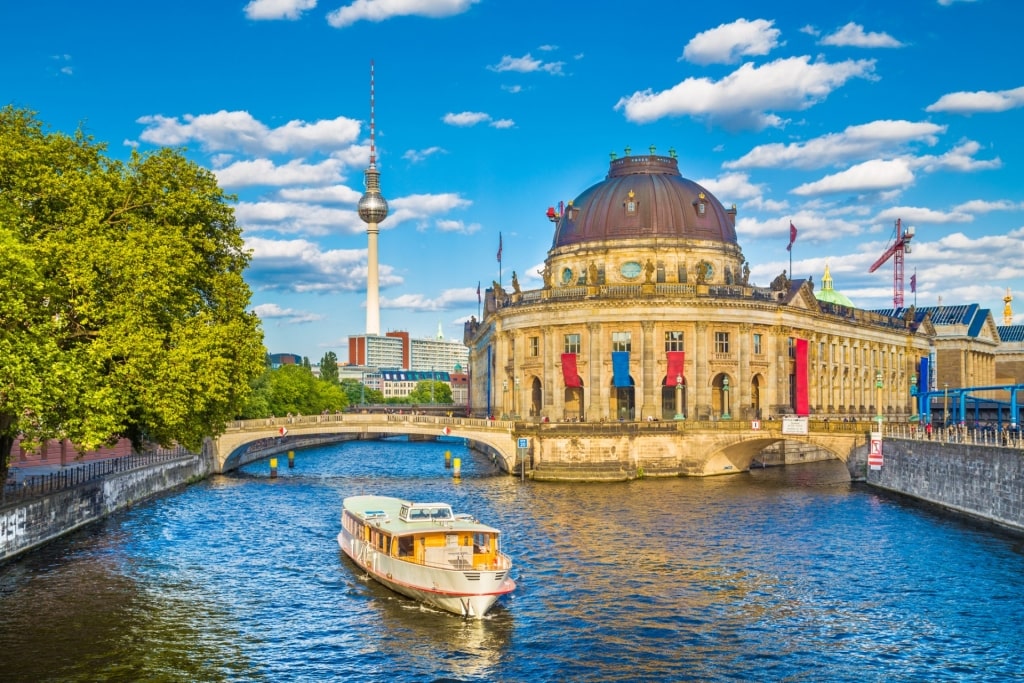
(779,574)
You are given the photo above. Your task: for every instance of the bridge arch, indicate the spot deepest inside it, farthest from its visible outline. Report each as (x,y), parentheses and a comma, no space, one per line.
(670,448)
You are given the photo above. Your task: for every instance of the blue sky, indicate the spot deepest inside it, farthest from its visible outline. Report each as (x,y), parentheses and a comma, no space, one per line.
(837,117)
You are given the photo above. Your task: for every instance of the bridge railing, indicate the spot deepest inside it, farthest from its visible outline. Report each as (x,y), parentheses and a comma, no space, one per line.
(959,434)
(368,418)
(30,486)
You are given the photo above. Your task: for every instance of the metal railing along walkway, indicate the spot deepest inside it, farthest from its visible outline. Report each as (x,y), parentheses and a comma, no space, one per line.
(22,486)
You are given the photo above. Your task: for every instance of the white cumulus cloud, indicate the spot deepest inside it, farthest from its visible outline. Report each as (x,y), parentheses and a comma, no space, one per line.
(278,9)
(745,98)
(382,10)
(727,43)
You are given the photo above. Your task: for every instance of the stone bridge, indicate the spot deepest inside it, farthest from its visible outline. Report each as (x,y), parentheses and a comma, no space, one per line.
(566,451)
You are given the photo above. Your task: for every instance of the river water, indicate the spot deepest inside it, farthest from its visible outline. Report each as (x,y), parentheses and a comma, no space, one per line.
(784,574)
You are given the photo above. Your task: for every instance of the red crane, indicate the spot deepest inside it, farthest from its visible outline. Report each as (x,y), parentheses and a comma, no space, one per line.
(898,248)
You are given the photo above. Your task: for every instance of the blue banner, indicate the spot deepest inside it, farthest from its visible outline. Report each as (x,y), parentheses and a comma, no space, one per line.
(620,369)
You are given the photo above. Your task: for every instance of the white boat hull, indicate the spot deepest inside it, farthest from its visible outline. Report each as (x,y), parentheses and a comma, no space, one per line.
(467,592)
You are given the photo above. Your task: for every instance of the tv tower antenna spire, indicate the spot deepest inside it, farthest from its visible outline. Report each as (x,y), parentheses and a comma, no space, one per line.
(373,208)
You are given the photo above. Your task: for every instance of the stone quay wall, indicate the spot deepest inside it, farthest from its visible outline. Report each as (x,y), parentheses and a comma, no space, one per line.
(982,481)
(34,522)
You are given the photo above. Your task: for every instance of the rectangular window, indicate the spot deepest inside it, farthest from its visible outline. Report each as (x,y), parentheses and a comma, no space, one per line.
(758,350)
(674,341)
(622,341)
(534,346)
(572,344)
(792,347)
(721,342)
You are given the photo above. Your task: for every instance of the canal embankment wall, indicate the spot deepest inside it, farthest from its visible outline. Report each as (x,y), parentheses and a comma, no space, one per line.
(28,524)
(985,482)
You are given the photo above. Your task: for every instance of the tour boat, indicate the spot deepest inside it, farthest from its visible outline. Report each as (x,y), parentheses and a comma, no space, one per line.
(427,552)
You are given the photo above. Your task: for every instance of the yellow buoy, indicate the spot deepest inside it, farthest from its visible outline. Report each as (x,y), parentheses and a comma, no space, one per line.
(273,467)
(447,459)
(457,474)
(291,458)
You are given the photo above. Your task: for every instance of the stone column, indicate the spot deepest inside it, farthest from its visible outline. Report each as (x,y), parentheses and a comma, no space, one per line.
(739,402)
(648,365)
(550,381)
(596,398)
(700,395)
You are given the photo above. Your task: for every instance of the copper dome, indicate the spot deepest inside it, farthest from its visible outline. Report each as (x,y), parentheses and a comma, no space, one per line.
(645,196)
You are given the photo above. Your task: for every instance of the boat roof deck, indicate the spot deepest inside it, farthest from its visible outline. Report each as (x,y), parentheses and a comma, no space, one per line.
(422,516)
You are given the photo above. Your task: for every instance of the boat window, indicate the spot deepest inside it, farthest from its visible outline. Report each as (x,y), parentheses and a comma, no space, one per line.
(405,546)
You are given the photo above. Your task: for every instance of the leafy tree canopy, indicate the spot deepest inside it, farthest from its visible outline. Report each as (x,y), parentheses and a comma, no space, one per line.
(329,367)
(124,307)
(357,393)
(292,389)
(428,391)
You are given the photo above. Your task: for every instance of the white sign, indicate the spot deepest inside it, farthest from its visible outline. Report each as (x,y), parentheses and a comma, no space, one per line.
(794,425)
(523,443)
(875,459)
(755,424)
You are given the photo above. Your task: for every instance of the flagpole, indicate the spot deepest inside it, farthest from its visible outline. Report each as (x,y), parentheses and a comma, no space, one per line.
(789,247)
(499,261)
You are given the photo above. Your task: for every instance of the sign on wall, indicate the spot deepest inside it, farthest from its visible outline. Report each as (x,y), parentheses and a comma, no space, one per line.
(794,425)
(875,451)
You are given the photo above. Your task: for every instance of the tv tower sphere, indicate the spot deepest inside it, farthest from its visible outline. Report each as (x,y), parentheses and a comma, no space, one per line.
(373,208)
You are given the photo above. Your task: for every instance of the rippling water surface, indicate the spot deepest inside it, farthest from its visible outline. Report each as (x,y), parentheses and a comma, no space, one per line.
(785,574)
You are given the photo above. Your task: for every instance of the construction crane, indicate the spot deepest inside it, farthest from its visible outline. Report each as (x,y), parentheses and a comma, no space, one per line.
(895,251)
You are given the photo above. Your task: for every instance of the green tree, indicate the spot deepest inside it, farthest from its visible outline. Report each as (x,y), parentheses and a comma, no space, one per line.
(329,367)
(292,389)
(124,307)
(357,393)
(442,393)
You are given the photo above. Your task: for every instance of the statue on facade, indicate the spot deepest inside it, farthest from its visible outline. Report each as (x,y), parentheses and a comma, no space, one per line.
(702,272)
(545,275)
(591,274)
(781,282)
(746,273)
(515,283)
(648,271)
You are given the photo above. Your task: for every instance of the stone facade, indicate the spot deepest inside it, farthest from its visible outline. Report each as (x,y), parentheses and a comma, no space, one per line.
(666,277)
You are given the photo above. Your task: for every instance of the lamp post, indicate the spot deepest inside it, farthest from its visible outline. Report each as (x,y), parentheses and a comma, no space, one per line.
(504,398)
(878,399)
(913,393)
(945,404)
(514,400)
(725,398)
(679,397)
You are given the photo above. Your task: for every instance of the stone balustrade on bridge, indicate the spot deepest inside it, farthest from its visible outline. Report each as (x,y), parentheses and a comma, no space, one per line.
(555,450)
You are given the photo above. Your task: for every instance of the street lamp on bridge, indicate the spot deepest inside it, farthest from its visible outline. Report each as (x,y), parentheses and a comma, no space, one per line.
(878,399)
(725,398)
(514,394)
(679,397)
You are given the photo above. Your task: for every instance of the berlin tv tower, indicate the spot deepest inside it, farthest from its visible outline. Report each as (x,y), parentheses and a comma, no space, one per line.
(373,208)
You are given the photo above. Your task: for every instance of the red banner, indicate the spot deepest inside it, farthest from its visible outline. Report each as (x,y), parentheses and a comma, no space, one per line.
(675,367)
(569,372)
(801,378)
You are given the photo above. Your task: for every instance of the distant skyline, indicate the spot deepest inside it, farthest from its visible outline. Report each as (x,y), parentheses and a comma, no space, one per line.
(839,120)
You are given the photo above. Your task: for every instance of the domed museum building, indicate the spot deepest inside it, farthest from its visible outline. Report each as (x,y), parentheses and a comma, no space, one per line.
(647,312)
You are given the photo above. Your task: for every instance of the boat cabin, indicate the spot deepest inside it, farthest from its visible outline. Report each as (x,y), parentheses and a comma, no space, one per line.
(429,534)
